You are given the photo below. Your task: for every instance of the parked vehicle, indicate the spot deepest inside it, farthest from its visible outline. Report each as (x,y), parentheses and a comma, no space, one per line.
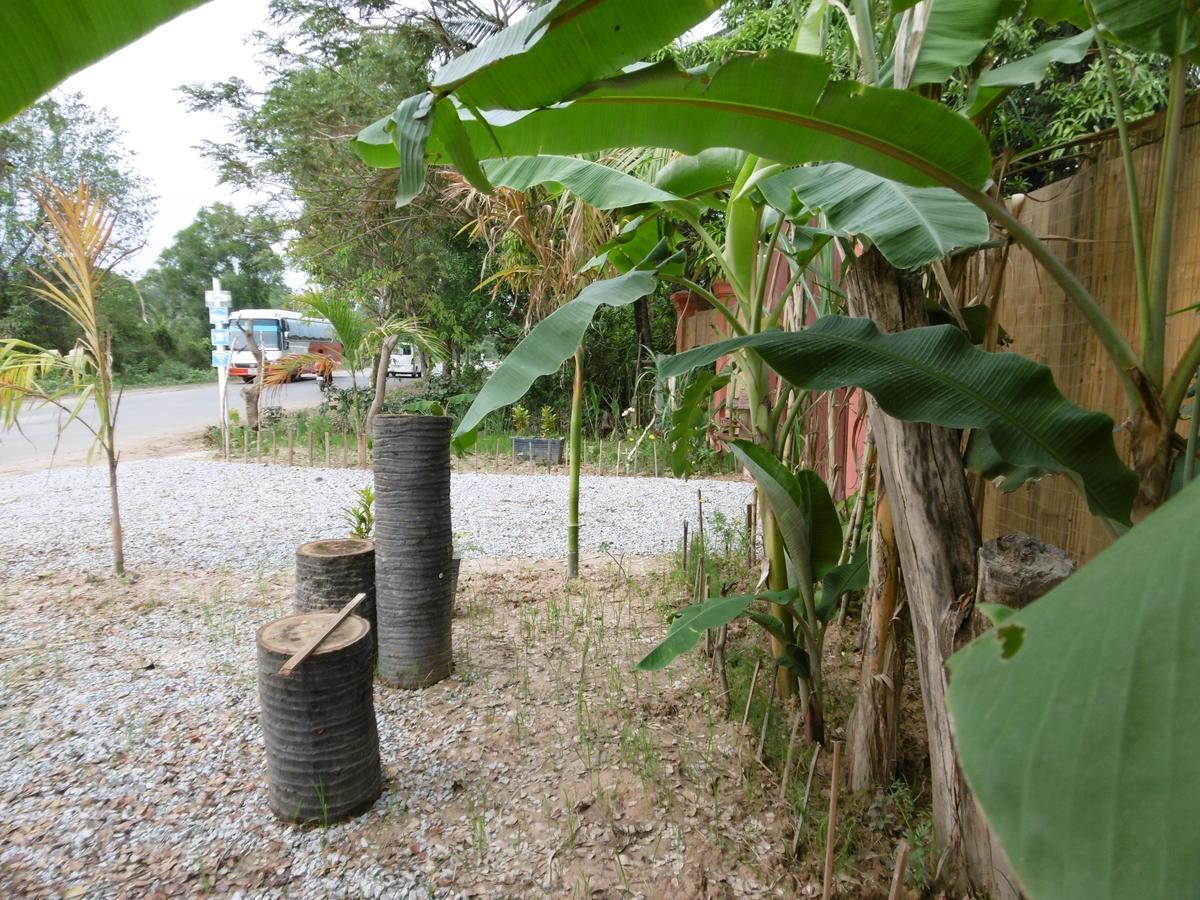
(404,362)
(280,333)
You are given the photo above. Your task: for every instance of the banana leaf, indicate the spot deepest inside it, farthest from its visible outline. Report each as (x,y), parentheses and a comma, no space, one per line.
(782,106)
(993,84)
(910,226)
(1169,27)
(44,41)
(954,36)
(548,345)
(601,186)
(935,375)
(694,620)
(800,502)
(1077,724)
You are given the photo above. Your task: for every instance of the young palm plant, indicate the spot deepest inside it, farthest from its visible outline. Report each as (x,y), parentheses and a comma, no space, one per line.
(361,340)
(79,254)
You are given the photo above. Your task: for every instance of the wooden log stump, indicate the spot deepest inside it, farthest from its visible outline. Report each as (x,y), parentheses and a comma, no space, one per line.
(331,572)
(319,723)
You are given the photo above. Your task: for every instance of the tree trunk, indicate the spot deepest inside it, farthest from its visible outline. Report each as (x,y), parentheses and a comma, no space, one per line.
(937,540)
(252,393)
(381,367)
(118,535)
(873,733)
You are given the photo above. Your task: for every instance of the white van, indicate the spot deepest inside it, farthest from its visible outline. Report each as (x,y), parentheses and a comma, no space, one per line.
(404,363)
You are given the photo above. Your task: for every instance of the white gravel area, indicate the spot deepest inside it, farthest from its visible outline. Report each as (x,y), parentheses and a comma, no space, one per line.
(187,514)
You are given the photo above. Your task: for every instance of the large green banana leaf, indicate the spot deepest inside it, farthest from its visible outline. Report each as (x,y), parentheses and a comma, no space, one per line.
(696,619)
(936,375)
(993,84)
(601,186)
(800,502)
(44,41)
(706,172)
(955,34)
(563,45)
(548,345)
(782,106)
(1170,27)
(910,226)
(1077,723)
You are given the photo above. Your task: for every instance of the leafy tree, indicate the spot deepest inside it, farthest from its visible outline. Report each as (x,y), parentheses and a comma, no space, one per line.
(326,71)
(220,243)
(61,139)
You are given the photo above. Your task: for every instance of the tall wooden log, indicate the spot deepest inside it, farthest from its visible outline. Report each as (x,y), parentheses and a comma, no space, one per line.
(319,722)
(413,548)
(873,733)
(937,539)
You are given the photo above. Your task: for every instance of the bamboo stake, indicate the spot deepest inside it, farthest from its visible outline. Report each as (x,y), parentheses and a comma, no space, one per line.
(245,444)
(655,446)
(685,545)
(328,461)
(345,448)
(312,459)
(750,693)
(362,450)
(831,830)
(274,445)
(787,766)
(812,770)
(762,735)
(291,447)
(750,535)
(898,871)
(258,443)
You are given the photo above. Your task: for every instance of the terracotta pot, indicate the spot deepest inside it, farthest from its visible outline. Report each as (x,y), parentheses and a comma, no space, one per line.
(688,304)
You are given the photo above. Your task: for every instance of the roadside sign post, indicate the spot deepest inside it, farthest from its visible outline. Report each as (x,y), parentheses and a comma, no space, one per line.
(218,303)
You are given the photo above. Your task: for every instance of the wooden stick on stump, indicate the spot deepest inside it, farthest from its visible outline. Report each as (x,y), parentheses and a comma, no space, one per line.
(308,649)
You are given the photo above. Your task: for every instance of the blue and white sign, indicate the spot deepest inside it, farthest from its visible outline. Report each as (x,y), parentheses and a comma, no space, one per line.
(220,337)
(218,315)
(215,299)
(220,359)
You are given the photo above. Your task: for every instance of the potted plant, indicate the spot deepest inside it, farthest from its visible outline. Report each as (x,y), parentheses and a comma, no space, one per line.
(546,448)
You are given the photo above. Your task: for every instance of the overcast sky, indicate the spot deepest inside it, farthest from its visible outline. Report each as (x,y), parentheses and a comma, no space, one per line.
(137,85)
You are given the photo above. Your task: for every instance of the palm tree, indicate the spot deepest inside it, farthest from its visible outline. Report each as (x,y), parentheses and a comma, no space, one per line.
(362,341)
(79,255)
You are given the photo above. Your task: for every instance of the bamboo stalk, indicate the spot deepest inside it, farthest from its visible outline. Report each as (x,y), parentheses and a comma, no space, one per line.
(831,830)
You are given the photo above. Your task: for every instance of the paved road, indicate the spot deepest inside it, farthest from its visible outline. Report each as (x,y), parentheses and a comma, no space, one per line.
(149,419)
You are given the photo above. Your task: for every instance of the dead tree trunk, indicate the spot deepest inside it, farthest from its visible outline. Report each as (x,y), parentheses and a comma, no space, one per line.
(937,539)
(873,733)
(381,367)
(252,393)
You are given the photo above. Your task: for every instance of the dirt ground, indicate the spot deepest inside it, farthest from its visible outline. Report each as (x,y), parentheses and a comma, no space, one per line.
(545,766)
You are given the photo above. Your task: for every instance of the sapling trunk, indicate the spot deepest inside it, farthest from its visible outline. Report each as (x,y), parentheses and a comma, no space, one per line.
(575,451)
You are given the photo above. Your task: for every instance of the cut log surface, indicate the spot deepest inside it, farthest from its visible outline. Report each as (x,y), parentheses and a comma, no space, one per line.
(319,723)
(330,572)
(413,549)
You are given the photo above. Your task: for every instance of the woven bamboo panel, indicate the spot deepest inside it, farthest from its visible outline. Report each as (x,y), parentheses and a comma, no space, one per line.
(1086,220)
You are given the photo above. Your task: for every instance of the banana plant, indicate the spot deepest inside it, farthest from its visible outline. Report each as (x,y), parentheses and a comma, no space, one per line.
(787,108)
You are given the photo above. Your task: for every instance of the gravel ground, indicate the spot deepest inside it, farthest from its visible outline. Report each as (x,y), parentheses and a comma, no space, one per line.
(132,763)
(185,514)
